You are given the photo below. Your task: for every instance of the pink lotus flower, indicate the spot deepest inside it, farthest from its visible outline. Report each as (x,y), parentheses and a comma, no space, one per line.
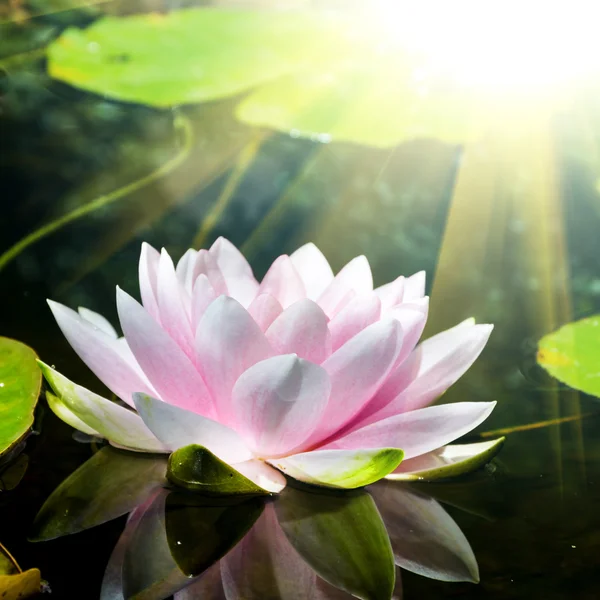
(315,376)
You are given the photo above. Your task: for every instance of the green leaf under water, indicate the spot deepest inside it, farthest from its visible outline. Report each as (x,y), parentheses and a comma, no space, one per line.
(342,537)
(197,469)
(20,382)
(572,355)
(200,530)
(108,485)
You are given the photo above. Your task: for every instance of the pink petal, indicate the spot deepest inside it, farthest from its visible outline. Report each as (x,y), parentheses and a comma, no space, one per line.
(207,586)
(185,270)
(414,287)
(98,321)
(107,357)
(148,275)
(207,265)
(283,282)
(264,310)
(391,293)
(301,329)
(167,366)
(176,428)
(313,268)
(278,402)
(358,314)
(444,360)
(355,276)
(238,275)
(418,431)
(412,318)
(357,370)
(203,295)
(228,342)
(173,313)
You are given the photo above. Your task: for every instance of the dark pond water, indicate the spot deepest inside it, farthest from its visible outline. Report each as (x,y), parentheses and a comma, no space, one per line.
(506,231)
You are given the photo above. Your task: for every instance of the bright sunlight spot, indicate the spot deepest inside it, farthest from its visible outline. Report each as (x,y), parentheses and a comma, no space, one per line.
(499,44)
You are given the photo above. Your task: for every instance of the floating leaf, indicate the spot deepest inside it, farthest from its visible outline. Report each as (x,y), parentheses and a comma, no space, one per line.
(342,537)
(219,523)
(572,355)
(20,381)
(447,461)
(186,56)
(108,485)
(195,468)
(14,583)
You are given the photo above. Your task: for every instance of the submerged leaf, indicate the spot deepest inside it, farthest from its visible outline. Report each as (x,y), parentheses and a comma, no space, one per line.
(219,523)
(20,382)
(195,468)
(447,461)
(572,355)
(108,485)
(342,537)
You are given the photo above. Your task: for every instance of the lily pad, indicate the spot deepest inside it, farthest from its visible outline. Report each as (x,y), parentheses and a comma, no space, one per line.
(20,382)
(14,583)
(186,56)
(195,468)
(448,461)
(572,355)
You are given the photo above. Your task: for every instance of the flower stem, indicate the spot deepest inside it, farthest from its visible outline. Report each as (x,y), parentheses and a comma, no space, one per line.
(184,130)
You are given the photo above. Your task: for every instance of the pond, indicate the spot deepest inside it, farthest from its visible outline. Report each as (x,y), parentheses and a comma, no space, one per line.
(367,129)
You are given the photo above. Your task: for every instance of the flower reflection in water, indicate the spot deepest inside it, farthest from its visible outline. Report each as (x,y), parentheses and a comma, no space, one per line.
(306,544)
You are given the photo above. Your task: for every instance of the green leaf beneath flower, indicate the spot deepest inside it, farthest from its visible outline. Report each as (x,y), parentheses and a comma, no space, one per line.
(448,461)
(345,469)
(201,530)
(20,382)
(342,537)
(572,355)
(195,468)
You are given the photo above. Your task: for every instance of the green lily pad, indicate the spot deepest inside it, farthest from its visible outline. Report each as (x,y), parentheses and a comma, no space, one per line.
(342,537)
(572,355)
(186,56)
(197,469)
(448,461)
(20,382)
(219,523)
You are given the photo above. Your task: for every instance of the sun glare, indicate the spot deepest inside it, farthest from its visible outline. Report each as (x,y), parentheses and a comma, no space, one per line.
(499,44)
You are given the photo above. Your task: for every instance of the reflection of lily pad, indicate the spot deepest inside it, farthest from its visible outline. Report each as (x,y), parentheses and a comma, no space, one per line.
(220,524)
(20,381)
(195,468)
(572,354)
(448,461)
(14,583)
